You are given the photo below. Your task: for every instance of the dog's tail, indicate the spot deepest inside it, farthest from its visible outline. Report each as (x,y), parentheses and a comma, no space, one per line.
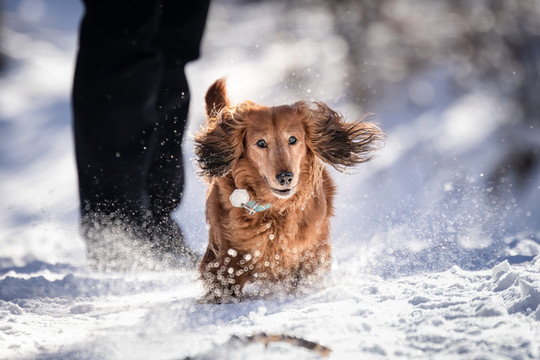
(216,98)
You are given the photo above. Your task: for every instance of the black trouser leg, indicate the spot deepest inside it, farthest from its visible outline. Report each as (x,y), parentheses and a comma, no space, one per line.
(166,174)
(130,104)
(117,79)
(178,38)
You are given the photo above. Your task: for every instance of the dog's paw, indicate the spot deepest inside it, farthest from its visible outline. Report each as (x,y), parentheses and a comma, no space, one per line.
(221,296)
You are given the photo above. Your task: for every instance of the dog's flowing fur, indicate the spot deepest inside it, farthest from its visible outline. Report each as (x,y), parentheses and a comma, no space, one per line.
(290,240)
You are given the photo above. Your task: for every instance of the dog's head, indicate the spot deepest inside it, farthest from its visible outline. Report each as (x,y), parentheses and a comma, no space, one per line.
(273,149)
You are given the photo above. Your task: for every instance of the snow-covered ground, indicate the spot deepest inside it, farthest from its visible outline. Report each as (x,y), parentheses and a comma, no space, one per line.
(428,263)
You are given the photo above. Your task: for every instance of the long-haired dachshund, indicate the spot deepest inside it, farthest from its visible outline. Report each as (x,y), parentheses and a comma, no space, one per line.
(270,197)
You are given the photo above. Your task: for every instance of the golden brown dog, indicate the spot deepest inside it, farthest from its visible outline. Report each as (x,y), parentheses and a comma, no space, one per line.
(277,228)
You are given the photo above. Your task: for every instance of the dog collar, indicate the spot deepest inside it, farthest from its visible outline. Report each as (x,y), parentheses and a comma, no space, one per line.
(240,198)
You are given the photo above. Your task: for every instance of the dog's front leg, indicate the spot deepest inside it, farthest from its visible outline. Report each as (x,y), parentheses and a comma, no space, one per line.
(224,279)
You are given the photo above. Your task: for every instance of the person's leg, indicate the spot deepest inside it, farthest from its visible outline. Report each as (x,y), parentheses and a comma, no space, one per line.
(179,37)
(117,79)
(130,104)
(166,174)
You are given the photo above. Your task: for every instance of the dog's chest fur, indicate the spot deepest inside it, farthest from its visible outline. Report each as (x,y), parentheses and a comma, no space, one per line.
(289,237)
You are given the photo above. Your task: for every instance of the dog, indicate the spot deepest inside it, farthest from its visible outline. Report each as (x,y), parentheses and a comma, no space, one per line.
(270,196)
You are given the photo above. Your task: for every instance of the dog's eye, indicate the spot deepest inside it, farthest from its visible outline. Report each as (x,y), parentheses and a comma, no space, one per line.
(292,140)
(261,143)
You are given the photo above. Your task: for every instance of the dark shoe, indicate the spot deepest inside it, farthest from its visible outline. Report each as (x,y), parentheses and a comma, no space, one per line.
(167,242)
(115,243)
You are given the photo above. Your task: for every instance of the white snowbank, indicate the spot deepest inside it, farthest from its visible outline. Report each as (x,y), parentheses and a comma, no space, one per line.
(157,315)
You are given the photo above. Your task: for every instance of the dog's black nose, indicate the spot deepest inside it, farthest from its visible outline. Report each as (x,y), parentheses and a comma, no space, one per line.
(285,178)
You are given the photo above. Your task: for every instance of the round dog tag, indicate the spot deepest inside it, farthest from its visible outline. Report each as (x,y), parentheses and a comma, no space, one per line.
(239,197)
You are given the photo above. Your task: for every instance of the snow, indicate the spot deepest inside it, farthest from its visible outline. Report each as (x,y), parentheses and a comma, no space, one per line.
(454,312)
(427,263)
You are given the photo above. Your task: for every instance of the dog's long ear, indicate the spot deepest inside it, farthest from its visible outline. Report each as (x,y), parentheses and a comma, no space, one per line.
(220,142)
(216,98)
(339,143)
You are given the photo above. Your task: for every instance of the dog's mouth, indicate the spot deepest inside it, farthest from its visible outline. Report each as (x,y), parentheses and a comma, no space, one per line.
(283,193)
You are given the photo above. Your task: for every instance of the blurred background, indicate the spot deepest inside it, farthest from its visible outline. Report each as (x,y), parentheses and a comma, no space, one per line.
(454,84)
